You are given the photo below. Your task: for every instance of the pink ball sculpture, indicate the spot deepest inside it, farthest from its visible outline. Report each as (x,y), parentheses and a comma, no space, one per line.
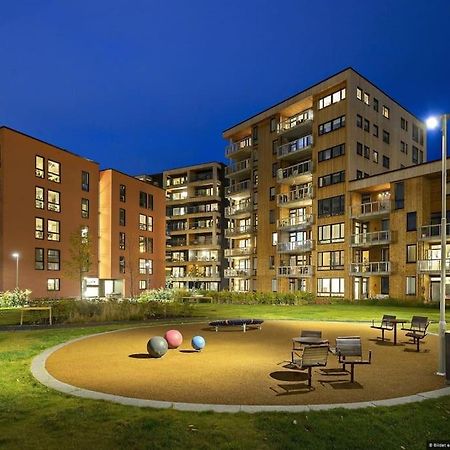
(174,338)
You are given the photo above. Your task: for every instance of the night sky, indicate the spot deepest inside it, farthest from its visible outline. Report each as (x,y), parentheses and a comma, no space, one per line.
(147,85)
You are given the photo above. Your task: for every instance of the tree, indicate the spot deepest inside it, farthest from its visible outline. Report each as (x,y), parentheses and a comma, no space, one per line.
(80,252)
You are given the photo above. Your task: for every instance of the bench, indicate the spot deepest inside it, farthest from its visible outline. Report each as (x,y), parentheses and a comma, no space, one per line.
(349,351)
(36,308)
(312,356)
(196,299)
(244,323)
(385,325)
(418,330)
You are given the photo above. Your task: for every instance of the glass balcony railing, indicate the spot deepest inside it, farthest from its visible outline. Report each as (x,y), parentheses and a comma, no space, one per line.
(297,171)
(371,209)
(238,188)
(432,232)
(242,145)
(432,265)
(295,121)
(239,208)
(371,268)
(238,167)
(372,238)
(295,271)
(238,273)
(296,196)
(296,222)
(295,246)
(239,251)
(295,147)
(237,231)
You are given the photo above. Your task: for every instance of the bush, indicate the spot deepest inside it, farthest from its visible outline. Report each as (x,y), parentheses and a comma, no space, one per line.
(14,299)
(262,298)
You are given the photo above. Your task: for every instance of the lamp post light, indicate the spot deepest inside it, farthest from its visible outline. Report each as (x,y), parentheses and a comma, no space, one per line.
(17,255)
(433,122)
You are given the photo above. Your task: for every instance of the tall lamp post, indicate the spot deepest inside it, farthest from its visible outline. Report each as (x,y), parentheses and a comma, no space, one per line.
(17,255)
(433,122)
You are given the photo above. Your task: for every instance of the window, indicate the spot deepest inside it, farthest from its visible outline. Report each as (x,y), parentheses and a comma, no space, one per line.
(410,285)
(385,111)
(274,285)
(142,284)
(399,192)
(39,228)
(122,240)
(53,259)
(274,169)
(274,238)
(366,152)
(403,147)
(122,217)
(332,206)
(411,221)
(272,216)
(255,134)
(331,233)
(359,175)
(121,264)
(145,266)
(366,98)
(142,222)
(375,130)
(272,193)
(39,259)
(274,147)
(53,230)
(386,137)
(359,93)
(332,152)
(330,99)
(366,125)
(53,284)
(332,287)
(415,133)
(332,178)
(333,260)
(122,193)
(271,262)
(415,155)
(39,167)
(375,156)
(149,223)
(386,162)
(143,199)
(39,196)
(53,201)
(85,208)
(145,244)
(332,125)
(54,171)
(359,148)
(411,253)
(359,121)
(404,124)
(85,181)
(375,104)
(273,124)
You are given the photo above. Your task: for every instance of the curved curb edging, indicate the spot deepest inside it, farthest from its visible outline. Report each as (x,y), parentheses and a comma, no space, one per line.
(41,374)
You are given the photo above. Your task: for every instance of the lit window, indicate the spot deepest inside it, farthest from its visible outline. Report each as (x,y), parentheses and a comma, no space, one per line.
(410,285)
(85,208)
(54,171)
(39,197)
(375,156)
(359,93)
(39,258)
(366,98)
(53,201)
(122,217)
(39,228)
(53,230)
(274,238)
(122,240)
(39,167)
(142,284)
(122,193)
(149,223)
(385,111)
(53,259)
(143,221)
(53,284)
(411,253)
(330,287)
(122,264)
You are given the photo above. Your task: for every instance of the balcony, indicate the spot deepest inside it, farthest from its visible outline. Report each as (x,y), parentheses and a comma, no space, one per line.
(295,271)
(243,146)
(296,174)
(299,123)
(370,268)
(209,277)
(295,198)
(295,246)
(238,273)
(432,266)
(372,239)
(432,233)
(295,223)
(239,251)
(239,210)
(239,190)
(294,149)
(238,168)
(370,210)
(240,231)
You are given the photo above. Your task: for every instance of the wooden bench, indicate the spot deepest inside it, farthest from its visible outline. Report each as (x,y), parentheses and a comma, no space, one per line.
(36,308)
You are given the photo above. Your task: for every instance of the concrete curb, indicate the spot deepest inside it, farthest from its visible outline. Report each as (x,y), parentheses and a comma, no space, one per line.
(39,372)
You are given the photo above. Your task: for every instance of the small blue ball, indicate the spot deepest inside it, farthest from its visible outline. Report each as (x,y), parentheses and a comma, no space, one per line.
(198,343)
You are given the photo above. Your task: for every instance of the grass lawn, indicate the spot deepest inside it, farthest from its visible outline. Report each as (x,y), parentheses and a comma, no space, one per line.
(32,416)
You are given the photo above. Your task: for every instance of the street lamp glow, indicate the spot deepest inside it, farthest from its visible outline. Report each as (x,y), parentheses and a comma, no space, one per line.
(432,122)
(15,255)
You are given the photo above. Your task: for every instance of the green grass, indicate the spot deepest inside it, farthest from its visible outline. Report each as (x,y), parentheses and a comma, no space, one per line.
(35,417)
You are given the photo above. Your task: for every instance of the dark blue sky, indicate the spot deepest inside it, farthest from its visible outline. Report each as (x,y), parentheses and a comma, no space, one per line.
(146,85)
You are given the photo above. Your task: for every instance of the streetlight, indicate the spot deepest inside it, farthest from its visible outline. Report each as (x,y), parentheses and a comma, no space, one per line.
(432,123)
(16,255)
(147,267)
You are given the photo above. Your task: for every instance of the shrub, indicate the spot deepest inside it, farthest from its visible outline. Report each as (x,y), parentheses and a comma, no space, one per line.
(14,299)
(262,298)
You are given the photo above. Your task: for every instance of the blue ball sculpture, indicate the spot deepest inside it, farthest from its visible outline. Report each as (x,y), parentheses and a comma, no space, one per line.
(157,346)
(198,343)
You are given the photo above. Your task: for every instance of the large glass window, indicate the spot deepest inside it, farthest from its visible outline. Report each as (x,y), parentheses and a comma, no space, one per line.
(331,233)
(53,259)
(330,287)
(411,221)
(333,260)
(54,171)
(39,195)
(332,206)
(411,253)
(39,228)
(53,284)
(332,152)
(331,99)
(53,201)
(332,125)
(85,208)
(332,178)
(399,191)
(410,285)
(39,167)
(53,230)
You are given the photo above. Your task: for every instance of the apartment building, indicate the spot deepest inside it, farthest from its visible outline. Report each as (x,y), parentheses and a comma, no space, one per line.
(290,171)
(46,194)
(132,235)
(195,226)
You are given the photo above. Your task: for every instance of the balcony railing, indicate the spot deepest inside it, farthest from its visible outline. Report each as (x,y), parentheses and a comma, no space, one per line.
(432,232)
(296,222)
(239,208)
(303,118)
(237,231)
(371,209)
(238,188)
(296,196)
(372,238)
(295,271)
(238,273)
(238,167)
(202,258)
(295,147)
(239,251)
(235,147)
(432,265)
(295,172)
(295,246)
(371,268)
